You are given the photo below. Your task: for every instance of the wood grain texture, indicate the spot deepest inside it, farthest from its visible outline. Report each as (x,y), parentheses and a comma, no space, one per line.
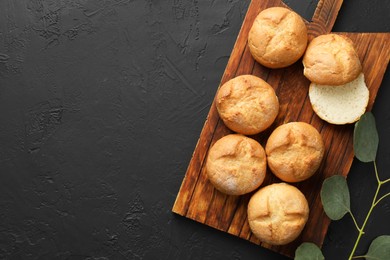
(324,17)
(198,200)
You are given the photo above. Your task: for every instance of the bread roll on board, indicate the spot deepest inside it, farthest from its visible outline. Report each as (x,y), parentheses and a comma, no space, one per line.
(294,151)
(331,59)
(247,104)
(236,164)
(277,213)
(278,37)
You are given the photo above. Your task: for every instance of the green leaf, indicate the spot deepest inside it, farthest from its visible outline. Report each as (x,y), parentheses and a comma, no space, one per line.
(308,251)
(379,248)
(365,138)
(335,197)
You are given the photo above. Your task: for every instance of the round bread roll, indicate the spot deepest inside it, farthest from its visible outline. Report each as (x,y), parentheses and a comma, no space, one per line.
(331,59)
(294,151)
(236,164)
(277,38)
(277,213)
(340,104)
(247,104)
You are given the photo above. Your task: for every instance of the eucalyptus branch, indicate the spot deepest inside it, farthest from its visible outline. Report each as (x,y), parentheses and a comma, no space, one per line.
(361,231)
(385,181)
(354,221)
(381,198)
(335,195)
(376,173)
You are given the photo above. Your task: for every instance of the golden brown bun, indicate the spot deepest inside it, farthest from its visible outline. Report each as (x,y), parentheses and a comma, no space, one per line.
(277,213)
(247,104)
(331,59)
(294,151)
(278,37)
(236,164)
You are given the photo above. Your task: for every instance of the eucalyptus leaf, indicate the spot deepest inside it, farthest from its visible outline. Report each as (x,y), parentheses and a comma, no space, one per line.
(335,197)
(379,248)
(365,138)
(308,251)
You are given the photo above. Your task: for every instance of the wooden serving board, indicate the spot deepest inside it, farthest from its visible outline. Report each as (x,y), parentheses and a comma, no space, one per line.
(198,200)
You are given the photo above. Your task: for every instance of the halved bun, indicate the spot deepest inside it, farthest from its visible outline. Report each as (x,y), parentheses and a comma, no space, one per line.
(340,104)
(331,59)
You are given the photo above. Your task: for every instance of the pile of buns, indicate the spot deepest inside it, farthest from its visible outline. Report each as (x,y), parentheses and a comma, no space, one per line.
(237,164)
(338,93)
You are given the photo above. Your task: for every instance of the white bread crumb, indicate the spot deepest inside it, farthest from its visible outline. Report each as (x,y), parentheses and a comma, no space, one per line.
(342,104)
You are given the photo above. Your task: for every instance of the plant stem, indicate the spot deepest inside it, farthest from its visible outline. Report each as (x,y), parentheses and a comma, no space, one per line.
(354,220)
(373,204)
(381,198)
(385,181)
(376,173)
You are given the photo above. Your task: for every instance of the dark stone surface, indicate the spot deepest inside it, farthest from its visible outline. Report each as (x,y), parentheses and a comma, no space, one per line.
(101,105)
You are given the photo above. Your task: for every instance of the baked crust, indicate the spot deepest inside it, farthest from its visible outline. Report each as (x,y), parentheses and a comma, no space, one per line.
(331,59)
(247,104)
(277,38)
(236,164)
(277,213)
(294,151)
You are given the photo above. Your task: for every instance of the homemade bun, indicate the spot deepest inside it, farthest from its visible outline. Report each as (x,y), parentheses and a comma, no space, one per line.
(236,164)
(277,38)
(247,104)
(331,59)
(340,104)
(294,151)
(277,213)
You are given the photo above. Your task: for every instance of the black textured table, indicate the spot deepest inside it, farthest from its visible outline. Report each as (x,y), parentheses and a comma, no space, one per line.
(101,105)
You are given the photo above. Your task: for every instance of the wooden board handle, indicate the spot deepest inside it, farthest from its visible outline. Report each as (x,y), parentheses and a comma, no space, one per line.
(324,17)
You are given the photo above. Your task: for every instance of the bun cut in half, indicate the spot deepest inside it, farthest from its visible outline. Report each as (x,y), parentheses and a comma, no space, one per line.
(340,104)
(331,59)
(277,38)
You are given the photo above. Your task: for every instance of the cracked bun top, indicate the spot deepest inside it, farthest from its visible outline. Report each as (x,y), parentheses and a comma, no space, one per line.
(247,104)
(236,164)
(294,151)
(277,38)
(277,213)
(331,59)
